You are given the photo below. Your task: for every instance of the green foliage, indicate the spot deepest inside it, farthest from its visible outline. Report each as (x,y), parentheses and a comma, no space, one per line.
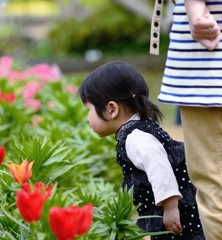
(115,220)
(50,160)
(110,29)
(14,119)
(68,155)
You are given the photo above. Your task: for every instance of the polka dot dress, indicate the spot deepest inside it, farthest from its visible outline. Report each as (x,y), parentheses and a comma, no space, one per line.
(143,194)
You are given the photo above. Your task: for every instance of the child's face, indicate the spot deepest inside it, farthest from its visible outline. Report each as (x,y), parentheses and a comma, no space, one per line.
(101,127)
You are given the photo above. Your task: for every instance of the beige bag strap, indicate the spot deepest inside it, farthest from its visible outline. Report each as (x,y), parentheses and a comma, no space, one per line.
(155,27)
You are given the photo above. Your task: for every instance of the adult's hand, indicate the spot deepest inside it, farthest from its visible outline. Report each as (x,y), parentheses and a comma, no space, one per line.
(205,27)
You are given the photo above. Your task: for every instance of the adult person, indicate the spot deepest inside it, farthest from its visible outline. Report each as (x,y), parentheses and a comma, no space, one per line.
(193,80)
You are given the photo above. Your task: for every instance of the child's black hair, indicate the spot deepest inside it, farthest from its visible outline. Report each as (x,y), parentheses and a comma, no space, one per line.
(118,81)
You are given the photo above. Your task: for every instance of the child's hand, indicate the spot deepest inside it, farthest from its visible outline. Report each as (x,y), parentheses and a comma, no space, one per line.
(171,216)
(171,220)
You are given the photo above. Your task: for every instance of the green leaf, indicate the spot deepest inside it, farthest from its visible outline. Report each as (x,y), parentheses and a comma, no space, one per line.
(10,235)
(55,173)
(15,220)
(40,236)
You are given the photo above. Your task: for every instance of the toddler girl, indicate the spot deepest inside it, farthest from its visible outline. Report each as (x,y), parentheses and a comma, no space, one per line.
(116,97)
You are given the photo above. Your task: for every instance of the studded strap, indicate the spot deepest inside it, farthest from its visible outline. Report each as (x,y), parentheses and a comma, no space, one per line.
(155,27)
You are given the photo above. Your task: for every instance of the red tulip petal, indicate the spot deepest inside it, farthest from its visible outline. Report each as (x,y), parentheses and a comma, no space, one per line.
(63,222)
(85,219)
(30,201)
(2,154)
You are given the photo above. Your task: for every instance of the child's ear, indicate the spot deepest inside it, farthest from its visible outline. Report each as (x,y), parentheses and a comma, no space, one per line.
(113,109)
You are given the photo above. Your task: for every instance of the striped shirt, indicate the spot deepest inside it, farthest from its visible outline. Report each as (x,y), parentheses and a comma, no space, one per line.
(193,74)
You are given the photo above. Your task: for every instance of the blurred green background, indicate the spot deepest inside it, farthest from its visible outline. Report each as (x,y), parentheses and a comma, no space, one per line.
(73,37)
(71,27)
(80,35)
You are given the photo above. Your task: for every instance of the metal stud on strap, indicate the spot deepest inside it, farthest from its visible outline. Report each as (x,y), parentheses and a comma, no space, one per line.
(155,27)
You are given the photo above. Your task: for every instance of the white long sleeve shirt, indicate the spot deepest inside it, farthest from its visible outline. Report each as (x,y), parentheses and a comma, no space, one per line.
(148,155)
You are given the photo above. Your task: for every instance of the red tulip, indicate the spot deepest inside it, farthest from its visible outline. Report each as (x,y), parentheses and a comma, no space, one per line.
(67,223)
(2,154)
(85,219)
(8,97)
(30,200)
(22,172)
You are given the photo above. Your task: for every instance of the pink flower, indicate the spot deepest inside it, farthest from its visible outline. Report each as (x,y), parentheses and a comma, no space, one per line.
(71,89)
(35,104)
(57,71)
(44,72)
(29,93)
(16,75)
(36,120)
(6,61)
(51,104)
(30,90)
(5,65)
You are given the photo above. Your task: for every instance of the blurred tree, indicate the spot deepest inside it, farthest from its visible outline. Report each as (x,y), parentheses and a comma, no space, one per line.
(144,10)
(111,29)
